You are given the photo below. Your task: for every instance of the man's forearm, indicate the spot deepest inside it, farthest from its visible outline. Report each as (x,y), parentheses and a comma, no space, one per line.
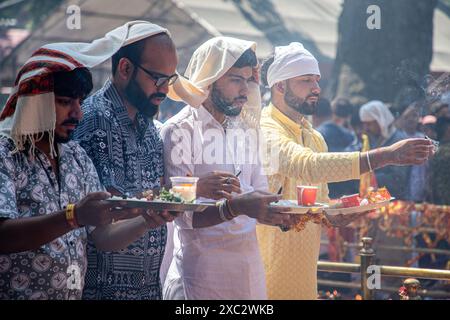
(119,235)
(17,235)
(209,217)
(374,159)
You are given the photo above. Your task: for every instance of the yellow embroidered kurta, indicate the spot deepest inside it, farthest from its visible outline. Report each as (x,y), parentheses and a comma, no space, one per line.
(299,157)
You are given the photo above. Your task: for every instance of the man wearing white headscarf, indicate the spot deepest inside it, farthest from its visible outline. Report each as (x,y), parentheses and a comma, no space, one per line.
(215,252)
(378,124)
(50,188)
(290,258)
(377,120)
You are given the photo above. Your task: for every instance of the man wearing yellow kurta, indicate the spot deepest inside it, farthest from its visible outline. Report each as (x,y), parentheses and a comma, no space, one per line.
(290,258)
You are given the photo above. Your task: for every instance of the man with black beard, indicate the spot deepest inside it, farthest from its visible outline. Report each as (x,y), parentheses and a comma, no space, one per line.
(290,258)
(215,253)
(118,133)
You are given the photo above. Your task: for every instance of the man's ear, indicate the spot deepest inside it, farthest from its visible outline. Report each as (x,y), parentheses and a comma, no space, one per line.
(280,86)
(125,69)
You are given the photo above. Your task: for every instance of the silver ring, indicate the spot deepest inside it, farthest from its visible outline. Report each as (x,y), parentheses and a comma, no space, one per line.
(228,181)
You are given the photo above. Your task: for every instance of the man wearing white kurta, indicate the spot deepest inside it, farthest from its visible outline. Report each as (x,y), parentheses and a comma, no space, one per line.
(220,259)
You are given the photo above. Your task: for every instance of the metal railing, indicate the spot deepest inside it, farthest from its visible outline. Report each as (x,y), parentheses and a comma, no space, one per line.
(367,255)
(396,248)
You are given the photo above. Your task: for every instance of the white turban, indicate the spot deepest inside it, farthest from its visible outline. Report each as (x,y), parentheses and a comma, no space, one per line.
(377,111)
(208,64)
(291,61)
(30,108)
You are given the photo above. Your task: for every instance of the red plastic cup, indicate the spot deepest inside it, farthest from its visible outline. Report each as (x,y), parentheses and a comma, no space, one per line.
(306,195)
(351,200)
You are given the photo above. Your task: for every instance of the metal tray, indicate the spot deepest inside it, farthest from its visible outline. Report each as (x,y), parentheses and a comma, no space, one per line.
(296,209)
(162,205)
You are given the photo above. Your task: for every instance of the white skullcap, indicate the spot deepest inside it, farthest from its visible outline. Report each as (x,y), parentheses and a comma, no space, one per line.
(291,61)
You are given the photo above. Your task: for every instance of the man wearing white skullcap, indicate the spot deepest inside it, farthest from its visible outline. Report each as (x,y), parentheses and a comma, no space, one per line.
(215,252)
(290,258)
(119,135)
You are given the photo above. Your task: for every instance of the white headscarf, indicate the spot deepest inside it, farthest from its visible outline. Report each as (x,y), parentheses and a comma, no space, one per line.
(30,108)
(291,61)
(377,111)
(208,64)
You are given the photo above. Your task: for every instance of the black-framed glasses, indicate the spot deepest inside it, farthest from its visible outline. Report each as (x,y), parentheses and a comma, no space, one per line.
(160,79)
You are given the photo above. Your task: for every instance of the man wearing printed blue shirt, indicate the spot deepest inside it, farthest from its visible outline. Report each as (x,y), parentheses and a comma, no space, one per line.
(118,133)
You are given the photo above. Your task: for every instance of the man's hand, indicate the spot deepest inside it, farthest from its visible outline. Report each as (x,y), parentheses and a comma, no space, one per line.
(114,192)
(92,210)
(218,185)
(341,220)
(409,152)
(256,205)
(154,219)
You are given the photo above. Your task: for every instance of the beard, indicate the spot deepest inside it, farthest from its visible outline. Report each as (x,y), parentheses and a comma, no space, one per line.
(224,104)
(137,97)
(61,139)
(300,105)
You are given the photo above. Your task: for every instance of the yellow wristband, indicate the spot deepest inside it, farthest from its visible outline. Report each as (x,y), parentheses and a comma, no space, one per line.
(70,216)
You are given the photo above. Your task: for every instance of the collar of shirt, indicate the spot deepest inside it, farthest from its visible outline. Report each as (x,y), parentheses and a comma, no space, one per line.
(206,118)
(62,150)
(287,122)
(117,104)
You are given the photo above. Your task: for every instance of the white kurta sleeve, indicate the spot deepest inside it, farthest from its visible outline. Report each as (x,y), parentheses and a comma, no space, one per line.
(177,142)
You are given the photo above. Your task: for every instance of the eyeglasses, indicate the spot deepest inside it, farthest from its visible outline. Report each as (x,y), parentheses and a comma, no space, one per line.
(160,79)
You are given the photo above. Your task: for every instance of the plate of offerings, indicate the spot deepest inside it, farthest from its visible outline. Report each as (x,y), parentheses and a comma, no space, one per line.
(166,200)
(354,204)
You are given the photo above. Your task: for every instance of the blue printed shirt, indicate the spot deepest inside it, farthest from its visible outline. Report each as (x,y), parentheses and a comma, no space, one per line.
(129,158)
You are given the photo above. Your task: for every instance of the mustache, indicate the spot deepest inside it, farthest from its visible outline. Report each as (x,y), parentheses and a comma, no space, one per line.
(315,95)
(241,98)
(157,95)
(71,121)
